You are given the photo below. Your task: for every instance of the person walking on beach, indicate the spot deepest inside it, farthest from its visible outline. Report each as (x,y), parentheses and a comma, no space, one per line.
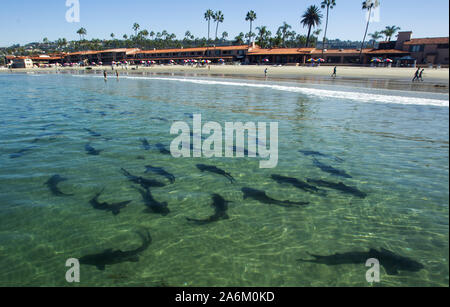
(334,74)
(416,75)
(265,72)
(421,75)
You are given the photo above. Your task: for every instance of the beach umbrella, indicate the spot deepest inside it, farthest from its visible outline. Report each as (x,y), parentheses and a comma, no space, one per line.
(320,60)
(376,60)
(310,60)
(266,60)
(221,60)
(388,60)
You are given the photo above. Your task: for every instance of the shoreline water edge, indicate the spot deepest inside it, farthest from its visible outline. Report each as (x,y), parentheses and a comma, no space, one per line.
(436,80)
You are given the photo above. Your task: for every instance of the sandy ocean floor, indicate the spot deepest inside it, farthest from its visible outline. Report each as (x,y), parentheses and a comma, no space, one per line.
(391,146)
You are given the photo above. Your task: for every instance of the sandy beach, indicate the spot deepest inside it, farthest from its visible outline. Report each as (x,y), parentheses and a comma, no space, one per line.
(393,78)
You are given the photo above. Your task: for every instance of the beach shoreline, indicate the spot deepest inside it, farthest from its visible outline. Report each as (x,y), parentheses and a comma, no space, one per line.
(436,80)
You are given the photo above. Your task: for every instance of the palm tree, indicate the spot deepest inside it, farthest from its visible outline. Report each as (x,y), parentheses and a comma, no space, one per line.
(218,18)
(390,31)
(368,5)
(82,32)
(209,14)
(152,34)
(187,35)
(165,34)
(263,36)
(125,37)
(171,37)
(251,16)
(329,4)
(311,18)
(144,33)
(62,42)
(224,35)
(375,36)
(112,35)
(136,27)
(283,32)
(239,39)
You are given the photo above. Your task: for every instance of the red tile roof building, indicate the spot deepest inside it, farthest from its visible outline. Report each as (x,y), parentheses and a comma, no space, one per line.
(404,50)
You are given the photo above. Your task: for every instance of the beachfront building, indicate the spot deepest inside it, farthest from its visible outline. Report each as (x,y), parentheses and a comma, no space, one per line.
(284,56)
(105,57)
(19,62)
(419,51)
(430,51)
(214,54)
(296,56)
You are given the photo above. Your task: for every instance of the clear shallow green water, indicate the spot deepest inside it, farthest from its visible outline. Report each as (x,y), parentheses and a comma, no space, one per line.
(395,151)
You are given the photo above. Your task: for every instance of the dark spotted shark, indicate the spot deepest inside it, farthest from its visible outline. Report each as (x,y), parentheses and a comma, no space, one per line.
(216,170)
(153,205)
(220,205)
(391,262)
(160,171)
(262,197)
(52,184)
(110,256)
(113,208)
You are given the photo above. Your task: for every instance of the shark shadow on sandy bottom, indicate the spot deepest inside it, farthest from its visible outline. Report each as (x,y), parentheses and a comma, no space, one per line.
(391,262)
(143,182)
(110,256)
(152,204)
(91,150)
(295,182)
(220,206)
(215,170)
(114,208)
(52,184)
(262,197)
(319,154)
(331,170)
(160,171)
(339,187)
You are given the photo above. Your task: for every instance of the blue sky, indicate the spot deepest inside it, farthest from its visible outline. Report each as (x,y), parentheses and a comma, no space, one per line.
(23,21)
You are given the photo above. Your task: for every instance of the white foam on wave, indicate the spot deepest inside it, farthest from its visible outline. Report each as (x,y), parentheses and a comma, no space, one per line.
(357,96)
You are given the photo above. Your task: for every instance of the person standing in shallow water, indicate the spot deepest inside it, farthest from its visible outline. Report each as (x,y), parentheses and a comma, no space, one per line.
(416,75)
(117,75)
(334,74)
(105,75)
(265,72)
(421,75)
